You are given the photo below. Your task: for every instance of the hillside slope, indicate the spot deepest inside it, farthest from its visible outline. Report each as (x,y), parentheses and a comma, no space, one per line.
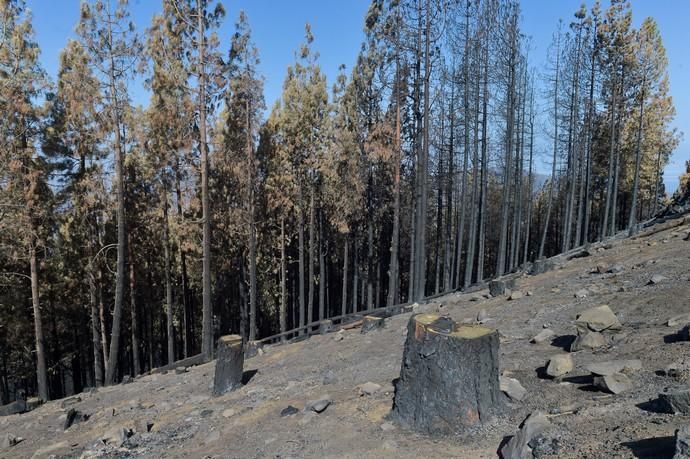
(247,423)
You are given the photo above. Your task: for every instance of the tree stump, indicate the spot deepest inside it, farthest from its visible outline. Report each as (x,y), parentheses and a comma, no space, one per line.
(448,377)
(498,287)
(325,326)
(370,323)
(229,364)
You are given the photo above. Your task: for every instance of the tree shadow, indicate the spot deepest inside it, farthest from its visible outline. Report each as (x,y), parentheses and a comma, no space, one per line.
(658,447)
(672,338)
(564,342)
(653,406)
(247,376)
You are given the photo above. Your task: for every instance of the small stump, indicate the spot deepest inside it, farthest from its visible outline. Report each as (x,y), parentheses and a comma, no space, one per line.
(499,287)
(449,376)
(229,364)
(370,323)
(325,326)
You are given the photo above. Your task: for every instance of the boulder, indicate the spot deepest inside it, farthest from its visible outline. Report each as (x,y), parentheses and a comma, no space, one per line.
(614,383)
(598,319)
(319,405)
(614,366)
(543,336)
(588,340)
(559,365)
(368,388)
(518,446)
(676,401)
(512,388)
(682,443)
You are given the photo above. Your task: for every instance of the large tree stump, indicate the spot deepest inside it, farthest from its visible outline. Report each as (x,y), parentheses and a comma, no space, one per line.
(229,364)
(449,376)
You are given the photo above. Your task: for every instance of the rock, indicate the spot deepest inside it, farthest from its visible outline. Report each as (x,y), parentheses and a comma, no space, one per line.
(682,443)
(319,405)
(657,279)
(181,370)
(676,401)
(614,366)
(73,417)
(143,425)
(498,287)
(529,293)
(543,336)
(582,293)
(544,444)
(512,388)
(601,268)
(588,340)
(288,411)
(115,436)
(16,407)
(230,412)
(518,446)
(8,440)
(329,378)
(559,365)
(516,295)
(614,383)
(482,316)
(616,269)
(340,335)
(598,319)
(679,320)
(368,388)
(387,426)
(251,348)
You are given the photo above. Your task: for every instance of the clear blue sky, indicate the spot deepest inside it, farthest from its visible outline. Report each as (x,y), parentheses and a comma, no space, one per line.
(278,29)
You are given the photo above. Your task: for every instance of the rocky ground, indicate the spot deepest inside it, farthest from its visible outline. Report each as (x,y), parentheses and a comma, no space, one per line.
(173,414)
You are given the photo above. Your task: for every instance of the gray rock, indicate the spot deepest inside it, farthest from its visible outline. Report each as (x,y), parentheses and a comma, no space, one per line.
(616,269)
(8,440)
(679,320)
(582,293)
(676,401)
(368,388)
(598,319)
(682,443)
(288,411)
(518,446)
(657,279)
(181,370)
(601,268)
(588,340)
(559,365)
(512,388)
(319,405)
(614,366)
(387,426)
(544,444)
(614,383)
(115,436)
(482,316)
(516,295)
(230,412)
(543,336)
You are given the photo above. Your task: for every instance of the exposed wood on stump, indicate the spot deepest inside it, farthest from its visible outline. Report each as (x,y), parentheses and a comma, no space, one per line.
(449,376)
(229,364)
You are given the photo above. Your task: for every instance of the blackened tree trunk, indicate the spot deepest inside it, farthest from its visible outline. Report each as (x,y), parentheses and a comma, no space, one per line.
(283,280)
(168,282)
(41,371)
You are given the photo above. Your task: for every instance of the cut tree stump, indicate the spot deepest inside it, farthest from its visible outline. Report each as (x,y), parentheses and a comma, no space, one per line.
(229,364)
(448,377)
(370,323)
(325,326)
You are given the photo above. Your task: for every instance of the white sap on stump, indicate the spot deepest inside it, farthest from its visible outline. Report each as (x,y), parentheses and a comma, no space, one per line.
(449,377)
(229,364)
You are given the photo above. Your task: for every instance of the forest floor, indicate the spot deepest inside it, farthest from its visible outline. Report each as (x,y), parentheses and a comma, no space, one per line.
(247,423)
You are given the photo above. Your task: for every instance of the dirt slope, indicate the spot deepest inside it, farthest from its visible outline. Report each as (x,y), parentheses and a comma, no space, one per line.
(247,423)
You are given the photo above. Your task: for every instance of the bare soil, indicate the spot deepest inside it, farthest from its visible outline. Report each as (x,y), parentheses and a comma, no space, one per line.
(247,423)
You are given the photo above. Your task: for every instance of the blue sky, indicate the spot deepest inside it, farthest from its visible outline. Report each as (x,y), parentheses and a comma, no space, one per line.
(278,29)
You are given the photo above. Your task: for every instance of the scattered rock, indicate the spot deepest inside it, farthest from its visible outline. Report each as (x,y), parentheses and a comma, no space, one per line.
(601,268)
(614,366)
(230,412)
(559,365)
(329,378)
(181,370)
(682,443)
(614,383)
(512,388)
(657,279)
(143,425)
(288,411)
(582,293)
(598,319)
(482,316)
(681,319)
(340,335)
(319,405)
(616,269)
(115,436)
(543,336)
(676,401)
(544,444)
(8,440)
(368,388)
(588,340)
(518,446)
(516,295)
(387,426)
